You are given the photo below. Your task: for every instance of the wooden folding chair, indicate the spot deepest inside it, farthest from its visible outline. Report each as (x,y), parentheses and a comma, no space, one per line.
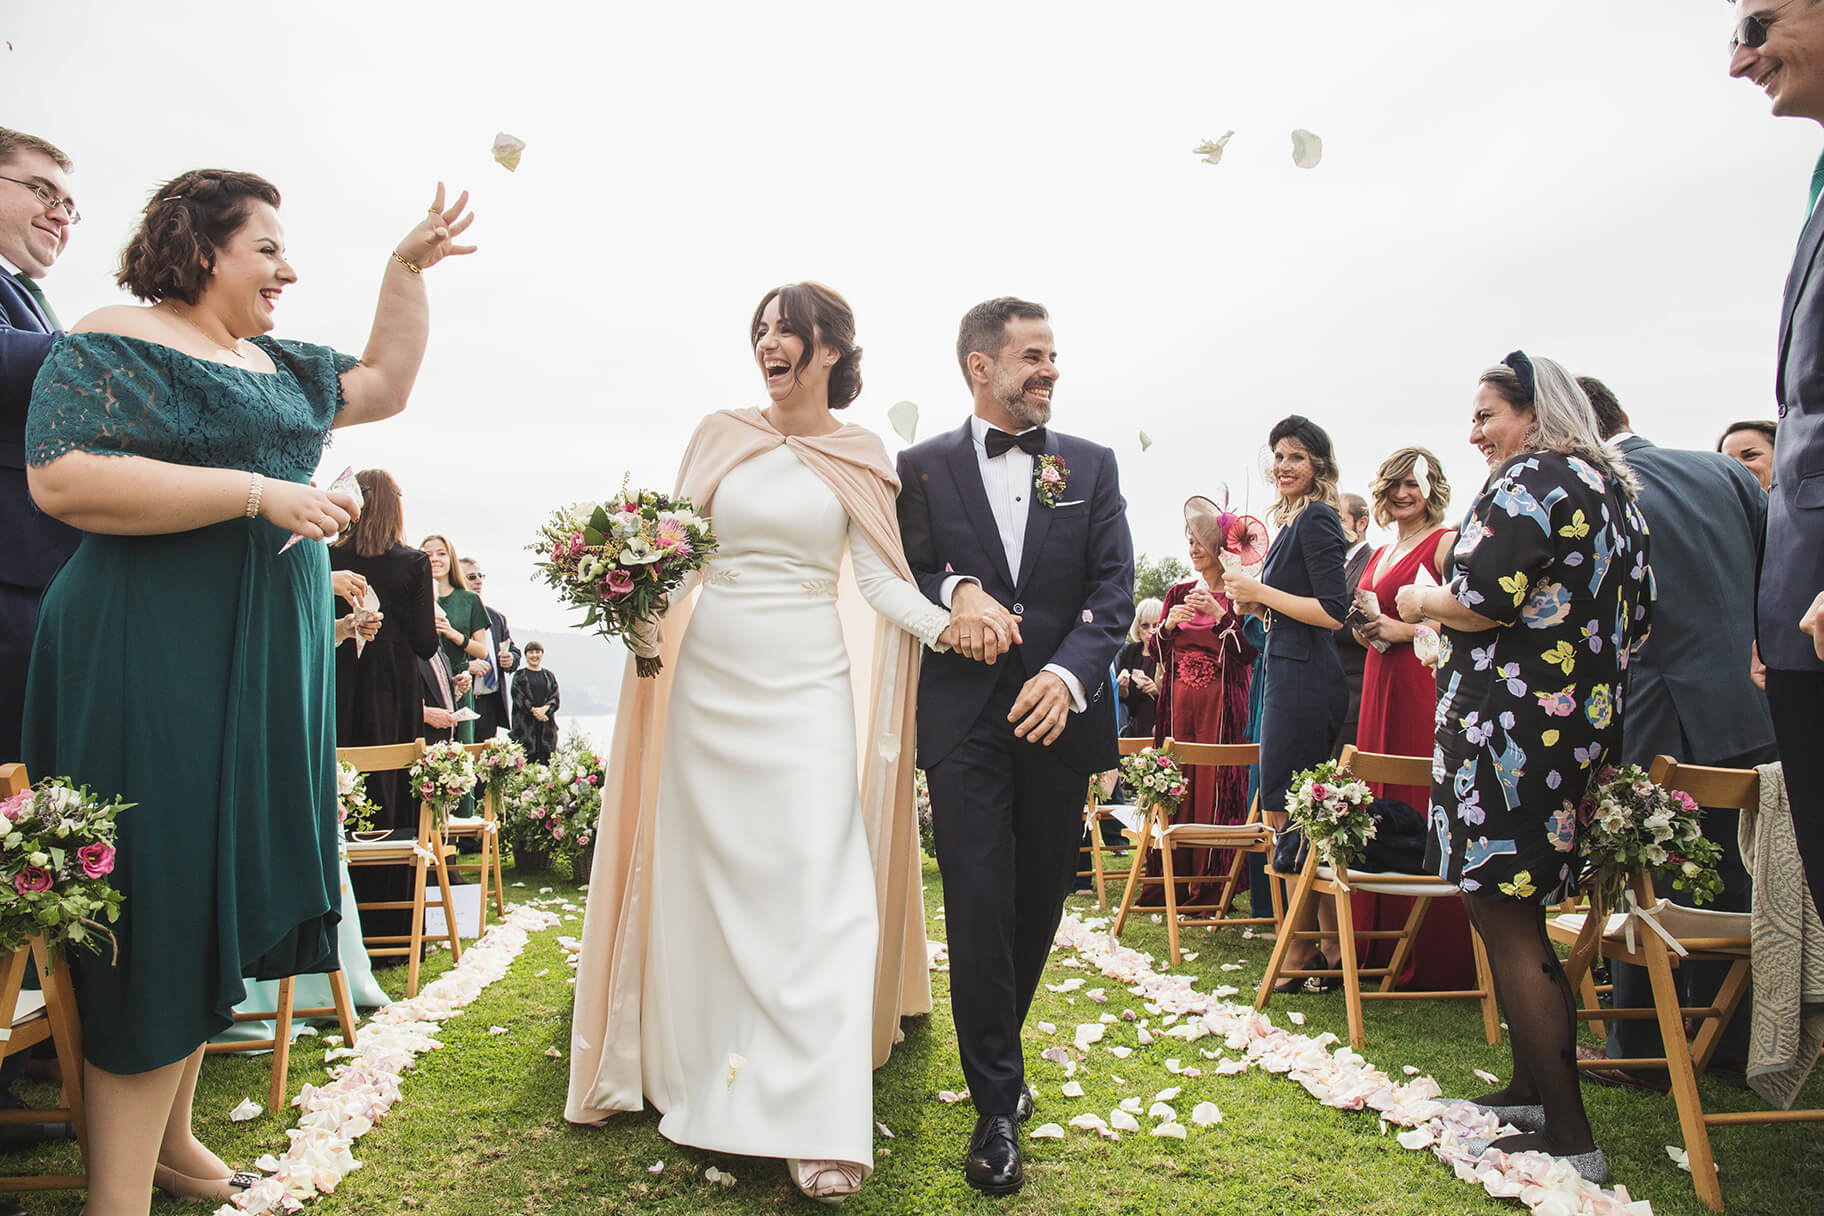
(29,1018)
(484,828)
(1701,936)
(428,853)
(1157,833)
(1095,811)
(343,1010)
(1316,880)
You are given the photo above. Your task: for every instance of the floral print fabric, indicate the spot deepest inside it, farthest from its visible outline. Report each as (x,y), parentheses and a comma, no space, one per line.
(1556,554)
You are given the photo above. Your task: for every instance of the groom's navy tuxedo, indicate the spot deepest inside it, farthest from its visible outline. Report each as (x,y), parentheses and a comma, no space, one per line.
(1007,812)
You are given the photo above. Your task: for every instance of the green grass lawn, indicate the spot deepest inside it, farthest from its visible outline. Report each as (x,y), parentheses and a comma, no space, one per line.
(479,1131)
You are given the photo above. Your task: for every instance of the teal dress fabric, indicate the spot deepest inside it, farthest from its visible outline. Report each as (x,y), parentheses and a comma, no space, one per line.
(190,673)
(466,616)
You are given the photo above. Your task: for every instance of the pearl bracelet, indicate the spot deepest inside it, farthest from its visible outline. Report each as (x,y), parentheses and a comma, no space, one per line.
(255,489)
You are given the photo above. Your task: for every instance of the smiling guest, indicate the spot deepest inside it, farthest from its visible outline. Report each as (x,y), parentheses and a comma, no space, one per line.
(180,438)
(1751,443)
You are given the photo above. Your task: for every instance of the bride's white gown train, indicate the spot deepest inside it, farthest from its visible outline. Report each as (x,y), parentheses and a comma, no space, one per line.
(757,1001)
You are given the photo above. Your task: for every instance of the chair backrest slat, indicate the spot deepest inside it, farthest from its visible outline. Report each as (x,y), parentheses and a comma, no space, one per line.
(1387,769)
(386,758)
(1214,755)
(1732,788)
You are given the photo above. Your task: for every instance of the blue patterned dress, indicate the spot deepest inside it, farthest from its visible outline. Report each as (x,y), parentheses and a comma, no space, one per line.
(1528,712)
(190,674)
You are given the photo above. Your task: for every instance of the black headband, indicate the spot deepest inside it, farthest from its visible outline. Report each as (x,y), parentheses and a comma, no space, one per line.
(1315,439)
(1521,366)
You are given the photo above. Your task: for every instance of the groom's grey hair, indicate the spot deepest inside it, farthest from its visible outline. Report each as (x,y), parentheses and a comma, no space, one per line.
(984,327)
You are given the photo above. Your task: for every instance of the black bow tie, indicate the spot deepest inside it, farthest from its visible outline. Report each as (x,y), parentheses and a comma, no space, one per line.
(1030,442)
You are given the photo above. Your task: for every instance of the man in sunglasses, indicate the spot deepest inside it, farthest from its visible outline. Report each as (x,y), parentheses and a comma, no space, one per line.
(1779,48)
(36,215)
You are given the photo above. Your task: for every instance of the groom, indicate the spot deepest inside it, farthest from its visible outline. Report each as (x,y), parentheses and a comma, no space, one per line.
(1022,533)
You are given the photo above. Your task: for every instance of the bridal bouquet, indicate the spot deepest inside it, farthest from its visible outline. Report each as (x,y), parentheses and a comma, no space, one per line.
(443,778)
(1331,808)
(619,560)
(1629,823)
(1155,779)
(56,852)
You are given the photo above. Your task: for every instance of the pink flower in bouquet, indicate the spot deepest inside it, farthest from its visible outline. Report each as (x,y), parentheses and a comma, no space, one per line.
(630,508)
(592,779)
(583,839)
(1178,790)
(618,583)
(1685,801)
(1320,792)
(1049,473)
(557,830)
(32,878)
(14,808)
(97,859)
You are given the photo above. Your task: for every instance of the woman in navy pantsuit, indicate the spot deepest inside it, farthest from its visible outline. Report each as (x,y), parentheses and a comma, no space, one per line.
(1301,599)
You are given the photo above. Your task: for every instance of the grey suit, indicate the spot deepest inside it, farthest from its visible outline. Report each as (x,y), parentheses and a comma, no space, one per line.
(1689,694)
(1792,571)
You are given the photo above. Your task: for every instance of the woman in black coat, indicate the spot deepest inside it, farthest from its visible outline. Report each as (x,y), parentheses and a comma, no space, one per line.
(1301,599)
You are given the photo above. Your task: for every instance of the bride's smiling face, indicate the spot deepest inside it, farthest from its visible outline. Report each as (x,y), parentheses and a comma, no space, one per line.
(780,351)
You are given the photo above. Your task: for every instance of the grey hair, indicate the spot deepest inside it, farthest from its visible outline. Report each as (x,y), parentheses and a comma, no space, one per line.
(1563,420)
(1146,612)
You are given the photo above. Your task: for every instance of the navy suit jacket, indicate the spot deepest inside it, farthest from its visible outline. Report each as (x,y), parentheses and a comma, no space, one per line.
(1074,590)
(1689,694)
(1793,572)
(32,544)
(1306,559)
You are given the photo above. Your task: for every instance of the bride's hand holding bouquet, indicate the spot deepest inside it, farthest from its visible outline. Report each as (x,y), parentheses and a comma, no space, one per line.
(620,561)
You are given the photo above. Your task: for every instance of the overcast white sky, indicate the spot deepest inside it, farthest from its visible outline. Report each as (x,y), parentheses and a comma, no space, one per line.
(1581,179)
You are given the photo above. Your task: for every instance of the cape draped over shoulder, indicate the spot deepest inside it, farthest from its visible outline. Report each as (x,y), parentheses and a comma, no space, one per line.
(605,1066)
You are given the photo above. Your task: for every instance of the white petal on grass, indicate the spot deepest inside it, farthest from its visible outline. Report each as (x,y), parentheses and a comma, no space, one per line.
(1108,1019)
(1046,1131)
(903,417)
(1417,1138)
(1169,1093)
(945,1096)
(1161,1110)
(1048,1027)
(1211,149)
(1120,1053)
(1122,1121)
(507,150)
(1132,1106)
(1174,1065)
(1170,1130)
(1483,1074)
(1229,1068)
(1070,985)
(1410,1071)
(248,1109)
(1189,956)
(1090,1032)
(657,1167)
(883,1129)
(1144,1036)
(266,1162)
(718,1177)
(1206,1114)
(498,1030)
(1307,149)
(554,1053)
(1296,1018)
(1071,1089)
(1231,966)
(736,1062)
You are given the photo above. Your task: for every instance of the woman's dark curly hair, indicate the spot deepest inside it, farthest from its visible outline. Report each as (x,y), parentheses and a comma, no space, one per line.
(818,314)
(191,216)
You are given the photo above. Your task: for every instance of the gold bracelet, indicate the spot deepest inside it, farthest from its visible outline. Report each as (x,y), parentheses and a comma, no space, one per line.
(255,489)
(411,266)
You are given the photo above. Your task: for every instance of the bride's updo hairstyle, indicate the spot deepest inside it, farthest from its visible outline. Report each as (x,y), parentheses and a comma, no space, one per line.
(191,216)
(819,315)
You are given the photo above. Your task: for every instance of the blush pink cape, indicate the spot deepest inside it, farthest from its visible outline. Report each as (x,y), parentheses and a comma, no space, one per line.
(605,1068)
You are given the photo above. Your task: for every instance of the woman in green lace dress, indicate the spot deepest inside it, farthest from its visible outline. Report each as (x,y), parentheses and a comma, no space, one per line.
(182,661)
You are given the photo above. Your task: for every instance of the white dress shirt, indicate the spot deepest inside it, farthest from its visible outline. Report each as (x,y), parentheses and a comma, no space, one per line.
(1007,480)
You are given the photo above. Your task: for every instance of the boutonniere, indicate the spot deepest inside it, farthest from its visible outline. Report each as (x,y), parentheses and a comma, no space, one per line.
(1049,477)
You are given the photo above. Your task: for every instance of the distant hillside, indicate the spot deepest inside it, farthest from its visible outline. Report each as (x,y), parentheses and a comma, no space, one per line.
(587,667)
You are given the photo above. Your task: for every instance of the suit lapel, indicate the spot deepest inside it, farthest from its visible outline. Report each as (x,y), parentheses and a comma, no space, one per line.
(1038,526)
(1796,280)
(968,477)
(23,302)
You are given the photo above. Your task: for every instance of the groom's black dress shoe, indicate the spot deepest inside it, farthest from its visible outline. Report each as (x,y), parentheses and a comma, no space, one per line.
(1022,1112)
(994,1166)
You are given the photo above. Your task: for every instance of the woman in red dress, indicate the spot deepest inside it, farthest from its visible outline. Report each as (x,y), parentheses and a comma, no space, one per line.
(1204,668)
(1399,703)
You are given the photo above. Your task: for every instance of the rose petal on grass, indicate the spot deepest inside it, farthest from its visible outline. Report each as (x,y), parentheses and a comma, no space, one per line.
(945,1096)
(554,1053)
(1122,1121)
(1048,1027)
(1161,1110)
(1167,1094)
(1170,1130)
(1296,1018)
(497,1030)
(657,1167)
(1144,1036)
(248,1109)
(1046,1131)
(882,1129)
(1189,956)
(1206,1114)
(1071,1089)
(1482,1074)
(1090,1032)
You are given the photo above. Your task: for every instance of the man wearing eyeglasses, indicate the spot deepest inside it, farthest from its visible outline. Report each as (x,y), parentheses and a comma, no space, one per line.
(36,216)
(492,701)
(1779,48)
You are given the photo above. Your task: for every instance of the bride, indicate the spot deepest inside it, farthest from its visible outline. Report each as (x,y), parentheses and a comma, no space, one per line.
(755,926)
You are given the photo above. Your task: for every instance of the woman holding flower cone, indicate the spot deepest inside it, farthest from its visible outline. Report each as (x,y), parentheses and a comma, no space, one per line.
(1546,594)
(755,924)
(180,439)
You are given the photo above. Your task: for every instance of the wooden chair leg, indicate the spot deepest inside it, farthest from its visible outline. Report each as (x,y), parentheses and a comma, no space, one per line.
(1586,992)
(1171,898)
(449,910)
(281,1046)
(1282,941)
(66,1037)
(1095,859)
(1728,999)
(486,875)
(500,885)
(417,942)
(1352,978)
(1485,981)
(345,1006)
(1403,948)
(1135,872)
(1691,1124)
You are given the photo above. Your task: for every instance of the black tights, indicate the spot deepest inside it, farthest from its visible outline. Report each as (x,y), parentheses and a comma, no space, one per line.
(1541,1018)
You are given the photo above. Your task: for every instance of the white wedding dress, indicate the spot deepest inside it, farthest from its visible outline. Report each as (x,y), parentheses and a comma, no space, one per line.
(757,999)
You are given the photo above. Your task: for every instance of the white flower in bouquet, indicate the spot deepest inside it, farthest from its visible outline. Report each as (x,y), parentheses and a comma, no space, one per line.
(1656,855)
(63,799)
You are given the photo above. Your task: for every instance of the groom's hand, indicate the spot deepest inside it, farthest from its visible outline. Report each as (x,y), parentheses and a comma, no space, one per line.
(983,629)
(1044,704)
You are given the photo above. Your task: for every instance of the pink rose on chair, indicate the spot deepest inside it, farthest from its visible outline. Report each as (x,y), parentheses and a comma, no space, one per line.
(14,808)
(97,859)
(32,878)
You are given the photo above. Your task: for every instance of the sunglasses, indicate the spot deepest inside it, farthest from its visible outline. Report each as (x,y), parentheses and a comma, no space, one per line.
(1751,31)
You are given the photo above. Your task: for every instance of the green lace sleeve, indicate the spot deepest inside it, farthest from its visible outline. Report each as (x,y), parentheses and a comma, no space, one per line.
(96,393)
(317,369)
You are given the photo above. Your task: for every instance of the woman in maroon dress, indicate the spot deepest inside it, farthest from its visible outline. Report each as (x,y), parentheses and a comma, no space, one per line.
(1399,702)
(1204,667)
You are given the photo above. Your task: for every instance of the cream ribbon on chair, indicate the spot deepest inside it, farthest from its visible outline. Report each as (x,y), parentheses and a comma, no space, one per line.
(419,850)
(1650,918)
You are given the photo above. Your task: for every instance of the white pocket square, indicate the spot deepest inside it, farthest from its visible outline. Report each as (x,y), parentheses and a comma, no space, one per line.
(1075,502)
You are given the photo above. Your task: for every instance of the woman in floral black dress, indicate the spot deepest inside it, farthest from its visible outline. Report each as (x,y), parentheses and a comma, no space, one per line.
(1547,594)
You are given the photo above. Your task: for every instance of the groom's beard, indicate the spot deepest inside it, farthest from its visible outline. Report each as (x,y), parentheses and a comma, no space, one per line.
(1012,395)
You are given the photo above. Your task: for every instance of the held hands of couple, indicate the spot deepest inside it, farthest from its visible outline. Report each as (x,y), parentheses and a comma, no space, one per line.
(433,238)
(979,628)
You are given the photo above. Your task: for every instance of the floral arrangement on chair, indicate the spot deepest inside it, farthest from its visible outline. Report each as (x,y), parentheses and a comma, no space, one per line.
(579,771)
(1331,808)
(501,759)
(443,777)
(1155,779)
(619,560)
(1629,823)
(354,809)
(56,852)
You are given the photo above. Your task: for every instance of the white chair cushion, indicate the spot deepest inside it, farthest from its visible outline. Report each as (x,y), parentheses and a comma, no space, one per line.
(1416,886)
(31,1005)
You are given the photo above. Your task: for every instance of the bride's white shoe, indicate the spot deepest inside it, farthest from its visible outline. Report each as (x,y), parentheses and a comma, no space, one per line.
(825,1181)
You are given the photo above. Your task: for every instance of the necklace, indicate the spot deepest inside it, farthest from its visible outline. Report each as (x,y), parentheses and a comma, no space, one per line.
(234,350)
(1403,546)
